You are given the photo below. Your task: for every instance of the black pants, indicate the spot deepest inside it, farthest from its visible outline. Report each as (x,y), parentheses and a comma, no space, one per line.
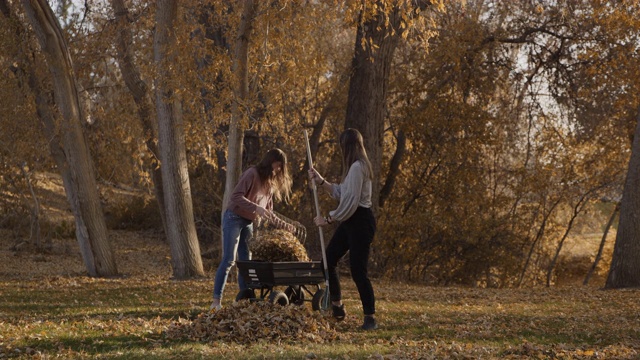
(354,235)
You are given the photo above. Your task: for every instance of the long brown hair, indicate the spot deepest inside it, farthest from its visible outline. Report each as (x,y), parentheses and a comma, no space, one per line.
(352,147)
(280,184)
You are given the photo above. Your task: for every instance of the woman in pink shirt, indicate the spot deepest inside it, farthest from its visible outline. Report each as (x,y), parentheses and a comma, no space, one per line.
(251,198)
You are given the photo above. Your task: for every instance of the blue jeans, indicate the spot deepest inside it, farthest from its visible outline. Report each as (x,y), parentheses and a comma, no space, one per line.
(236,231)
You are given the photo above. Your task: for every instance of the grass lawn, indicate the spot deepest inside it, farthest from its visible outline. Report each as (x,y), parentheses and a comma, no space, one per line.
(79,317)
(49,309)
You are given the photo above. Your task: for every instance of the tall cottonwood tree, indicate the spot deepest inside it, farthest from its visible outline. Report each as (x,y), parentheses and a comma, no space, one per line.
(379,29)
(625,264)
(375,43)
(78,172)
(183,241)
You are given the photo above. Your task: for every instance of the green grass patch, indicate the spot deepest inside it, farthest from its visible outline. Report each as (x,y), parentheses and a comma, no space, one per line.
(83,318)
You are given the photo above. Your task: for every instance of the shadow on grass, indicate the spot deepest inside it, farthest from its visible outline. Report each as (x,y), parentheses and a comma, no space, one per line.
(57,314)
(76,304)
(102,345)
(501,329)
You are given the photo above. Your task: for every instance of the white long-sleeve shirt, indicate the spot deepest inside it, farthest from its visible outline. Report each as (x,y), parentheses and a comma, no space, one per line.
(354,191)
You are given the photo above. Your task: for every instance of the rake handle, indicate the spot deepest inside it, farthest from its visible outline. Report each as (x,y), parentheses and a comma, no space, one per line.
(317,203)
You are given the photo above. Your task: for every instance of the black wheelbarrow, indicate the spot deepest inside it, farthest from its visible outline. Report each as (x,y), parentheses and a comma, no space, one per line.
(301,279)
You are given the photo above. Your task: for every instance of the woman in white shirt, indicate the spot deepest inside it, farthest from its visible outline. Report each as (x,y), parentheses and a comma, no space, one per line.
(357,225)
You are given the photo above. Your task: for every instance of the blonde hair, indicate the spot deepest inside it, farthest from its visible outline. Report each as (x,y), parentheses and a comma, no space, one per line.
(352,146)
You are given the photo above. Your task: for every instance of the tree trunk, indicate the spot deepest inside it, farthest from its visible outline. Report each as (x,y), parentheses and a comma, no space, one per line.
(368,87)
(181,230)
(81,187)
(625,264)
(142,98)
(237,125)
(593,268)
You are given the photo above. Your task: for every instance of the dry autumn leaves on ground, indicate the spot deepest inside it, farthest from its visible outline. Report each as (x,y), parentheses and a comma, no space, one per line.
(50,309)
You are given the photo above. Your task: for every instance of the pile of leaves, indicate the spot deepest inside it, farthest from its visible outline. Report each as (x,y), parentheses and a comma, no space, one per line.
(249,321)
(277,245)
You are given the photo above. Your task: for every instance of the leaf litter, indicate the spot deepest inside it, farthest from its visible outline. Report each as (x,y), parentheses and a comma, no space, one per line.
(249,321)
(51,309)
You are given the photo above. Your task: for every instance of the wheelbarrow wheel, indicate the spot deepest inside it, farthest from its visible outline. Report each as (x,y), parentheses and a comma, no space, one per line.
(295,294)
(245,294)
(318,300)
(278,298)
